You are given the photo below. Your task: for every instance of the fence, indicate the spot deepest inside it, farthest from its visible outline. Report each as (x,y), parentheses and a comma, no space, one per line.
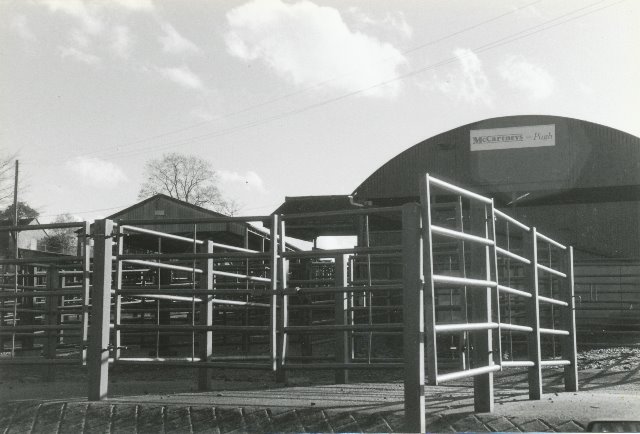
(470,290)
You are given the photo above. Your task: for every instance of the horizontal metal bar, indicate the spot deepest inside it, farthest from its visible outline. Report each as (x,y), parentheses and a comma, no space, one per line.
(335,328)
(463,281)
(467,373)
(27,328)
(42,260)
(234,248)
(162,265)
(512,255)
(381,365)
(515,327)
(439,230)
(160,234)
(448,328)
(552,301)
(39,361)
(510,219)
(554,332)
(335,252)
(555,362)
(345,212)
(203,220)
(241,276)
(333,289)
(551,241)
(189,327)
(187,362)
(42,226)
(517,364)
(461,191)
(551,270)
(513,291)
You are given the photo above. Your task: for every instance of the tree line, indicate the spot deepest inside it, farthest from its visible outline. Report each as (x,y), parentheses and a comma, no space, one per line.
(184,177)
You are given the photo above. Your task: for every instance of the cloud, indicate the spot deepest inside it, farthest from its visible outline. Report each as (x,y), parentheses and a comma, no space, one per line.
(394,22)
(523,75)
(182,76)
(250,179)
(121,41)
(134,5)
(97,172)
(310,44)
(79,55)
(78,9)
(469,83)
(174,43)
(20,25)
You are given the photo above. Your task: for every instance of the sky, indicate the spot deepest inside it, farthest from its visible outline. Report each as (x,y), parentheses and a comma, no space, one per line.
(287,98)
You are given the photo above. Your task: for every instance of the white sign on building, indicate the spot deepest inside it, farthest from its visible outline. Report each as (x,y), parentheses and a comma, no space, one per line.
(513,137)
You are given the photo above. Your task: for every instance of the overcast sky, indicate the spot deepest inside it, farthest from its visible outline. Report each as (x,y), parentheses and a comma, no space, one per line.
(287,98)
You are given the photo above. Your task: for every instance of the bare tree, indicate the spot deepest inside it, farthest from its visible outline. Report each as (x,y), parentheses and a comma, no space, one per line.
(6,178)
(188,178)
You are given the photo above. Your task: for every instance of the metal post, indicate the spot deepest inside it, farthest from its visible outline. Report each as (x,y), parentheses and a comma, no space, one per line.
(98,363)
(52,320)
(86,287)
(118,297)
(341,312)
(164,315)
(429,287)
(569,349)
(533,318)
(273,312)
(283,269)
(413,313)
(481,312)
(205,345)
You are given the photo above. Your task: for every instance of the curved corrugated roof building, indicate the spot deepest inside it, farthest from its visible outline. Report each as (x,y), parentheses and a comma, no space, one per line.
(577,179)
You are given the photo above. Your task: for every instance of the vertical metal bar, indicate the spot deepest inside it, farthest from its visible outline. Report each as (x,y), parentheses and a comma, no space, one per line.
(569,349)
(52,319)
(118,298)
(429,288)
(533,319)
(481,311)
(283,269)
(86,288)
(98,369)
(273,320)
(493,275)
(413,317)
(463,337)
(205,344)
(245,314)
(341,312)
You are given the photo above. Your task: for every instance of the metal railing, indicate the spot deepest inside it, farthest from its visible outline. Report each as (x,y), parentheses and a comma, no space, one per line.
(482,281)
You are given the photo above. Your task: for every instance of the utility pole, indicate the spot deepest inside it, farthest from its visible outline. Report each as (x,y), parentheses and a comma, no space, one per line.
(15,200)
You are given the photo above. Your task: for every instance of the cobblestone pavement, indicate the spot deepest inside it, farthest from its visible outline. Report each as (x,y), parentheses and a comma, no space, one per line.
(103,417)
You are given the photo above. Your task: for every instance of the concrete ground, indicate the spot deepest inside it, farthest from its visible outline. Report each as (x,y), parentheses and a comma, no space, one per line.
(235,406)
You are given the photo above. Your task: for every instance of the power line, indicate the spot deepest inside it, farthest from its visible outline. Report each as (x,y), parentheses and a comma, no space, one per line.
(308,88)
(483,48)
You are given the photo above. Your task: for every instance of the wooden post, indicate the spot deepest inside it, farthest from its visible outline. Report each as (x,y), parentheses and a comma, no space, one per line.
(164,315)
(341,312)
(569,349)
(27,302)
(205,344)
(481,311)
(98,363)
(428,293)
(413,318)
(533,318)
(52,319)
